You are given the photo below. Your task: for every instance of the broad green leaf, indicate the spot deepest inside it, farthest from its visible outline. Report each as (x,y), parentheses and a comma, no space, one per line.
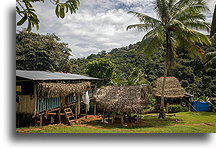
(57,10)
(29,26)
(22,21)
(62,13)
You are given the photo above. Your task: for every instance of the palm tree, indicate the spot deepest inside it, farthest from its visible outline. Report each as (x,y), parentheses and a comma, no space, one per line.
(172,29)
(210,58)
(212,32)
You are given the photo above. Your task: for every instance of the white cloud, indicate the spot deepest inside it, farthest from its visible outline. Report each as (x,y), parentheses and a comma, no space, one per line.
(98,24)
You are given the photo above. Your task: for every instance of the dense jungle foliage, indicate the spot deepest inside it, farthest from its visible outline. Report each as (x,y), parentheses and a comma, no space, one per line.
(132,68)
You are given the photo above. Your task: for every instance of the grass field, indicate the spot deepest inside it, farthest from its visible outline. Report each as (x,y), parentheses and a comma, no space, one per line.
(184,122)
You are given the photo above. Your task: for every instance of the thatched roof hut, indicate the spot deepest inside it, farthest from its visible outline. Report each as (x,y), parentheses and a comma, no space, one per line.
(173,88)
(130,99)
(61,89)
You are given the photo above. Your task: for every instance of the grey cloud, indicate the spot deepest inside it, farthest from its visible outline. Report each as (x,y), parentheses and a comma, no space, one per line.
(98,24)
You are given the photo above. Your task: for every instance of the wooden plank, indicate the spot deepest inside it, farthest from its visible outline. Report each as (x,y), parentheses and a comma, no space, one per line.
(26,105)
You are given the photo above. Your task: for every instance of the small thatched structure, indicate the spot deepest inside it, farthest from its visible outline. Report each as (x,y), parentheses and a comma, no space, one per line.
(129,99)
(61,89)
(173,88)
(174,93)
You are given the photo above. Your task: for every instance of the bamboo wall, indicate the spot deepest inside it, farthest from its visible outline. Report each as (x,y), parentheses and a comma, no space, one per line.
(26,105)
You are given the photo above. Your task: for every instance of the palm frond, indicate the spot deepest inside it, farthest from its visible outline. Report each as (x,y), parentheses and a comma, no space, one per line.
(210,58)
(140,27)
(171,3)
(188,39)
(186,7)
(195,37)
(192,17)
(152,41)
(210,55)
(161,7)
(146,19)
(198,25)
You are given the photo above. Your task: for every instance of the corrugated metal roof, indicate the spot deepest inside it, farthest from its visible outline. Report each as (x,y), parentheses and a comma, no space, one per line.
(46,75)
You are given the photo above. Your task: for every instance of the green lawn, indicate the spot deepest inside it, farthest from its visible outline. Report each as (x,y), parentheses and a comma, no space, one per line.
(184,122)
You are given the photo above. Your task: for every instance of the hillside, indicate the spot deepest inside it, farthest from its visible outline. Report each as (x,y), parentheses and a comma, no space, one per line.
(189,71)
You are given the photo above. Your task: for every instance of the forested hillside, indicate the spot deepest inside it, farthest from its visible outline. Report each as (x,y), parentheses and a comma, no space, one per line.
(46,52)
(190,71)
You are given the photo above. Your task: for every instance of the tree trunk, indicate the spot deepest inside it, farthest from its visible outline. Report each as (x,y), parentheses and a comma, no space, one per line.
(162,112)
(166,66)
(213,25)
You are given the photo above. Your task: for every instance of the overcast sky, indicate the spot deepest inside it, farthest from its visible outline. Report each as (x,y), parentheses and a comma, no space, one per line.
(98,24)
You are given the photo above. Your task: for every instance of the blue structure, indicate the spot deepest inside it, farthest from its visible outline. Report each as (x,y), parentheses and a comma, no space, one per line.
(198,106)
(44,104)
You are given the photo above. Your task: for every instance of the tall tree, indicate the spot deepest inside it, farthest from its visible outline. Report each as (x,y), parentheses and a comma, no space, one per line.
(172,29)
(213,29)
(41,52)
(25,10)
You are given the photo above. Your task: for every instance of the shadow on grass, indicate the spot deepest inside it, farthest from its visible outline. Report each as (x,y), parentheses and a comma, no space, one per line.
(146,122)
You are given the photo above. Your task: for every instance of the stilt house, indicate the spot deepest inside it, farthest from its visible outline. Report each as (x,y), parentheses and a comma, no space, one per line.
(41,93)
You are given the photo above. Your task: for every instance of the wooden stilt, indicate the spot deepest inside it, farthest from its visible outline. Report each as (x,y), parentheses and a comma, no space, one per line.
(112,119)
(95,107)
(103,117)
(35,98)
(41,120)
(86,109)
(76,110)
(167,107)
(78,103)
(59,116)
(122,119)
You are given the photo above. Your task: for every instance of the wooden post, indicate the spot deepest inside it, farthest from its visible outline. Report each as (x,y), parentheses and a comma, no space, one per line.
(35,97)
(78,104)
(41,120)
(59,115)
(122,119)
(103,117)
(113,117)
(86,109)
(95,107)
(76,110)
(167,107)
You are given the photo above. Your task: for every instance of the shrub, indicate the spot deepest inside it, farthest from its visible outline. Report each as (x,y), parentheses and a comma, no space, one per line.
(177,108)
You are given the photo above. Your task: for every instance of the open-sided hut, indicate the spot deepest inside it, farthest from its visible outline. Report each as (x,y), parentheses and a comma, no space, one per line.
(43,92)
(174,93)
(123,99)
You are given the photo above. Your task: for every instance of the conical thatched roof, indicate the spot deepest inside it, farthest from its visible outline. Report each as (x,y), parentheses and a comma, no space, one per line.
(173,88)
(61,89)
(130,99)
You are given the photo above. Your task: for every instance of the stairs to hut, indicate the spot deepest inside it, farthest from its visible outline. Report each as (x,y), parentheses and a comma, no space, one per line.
(69,115)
